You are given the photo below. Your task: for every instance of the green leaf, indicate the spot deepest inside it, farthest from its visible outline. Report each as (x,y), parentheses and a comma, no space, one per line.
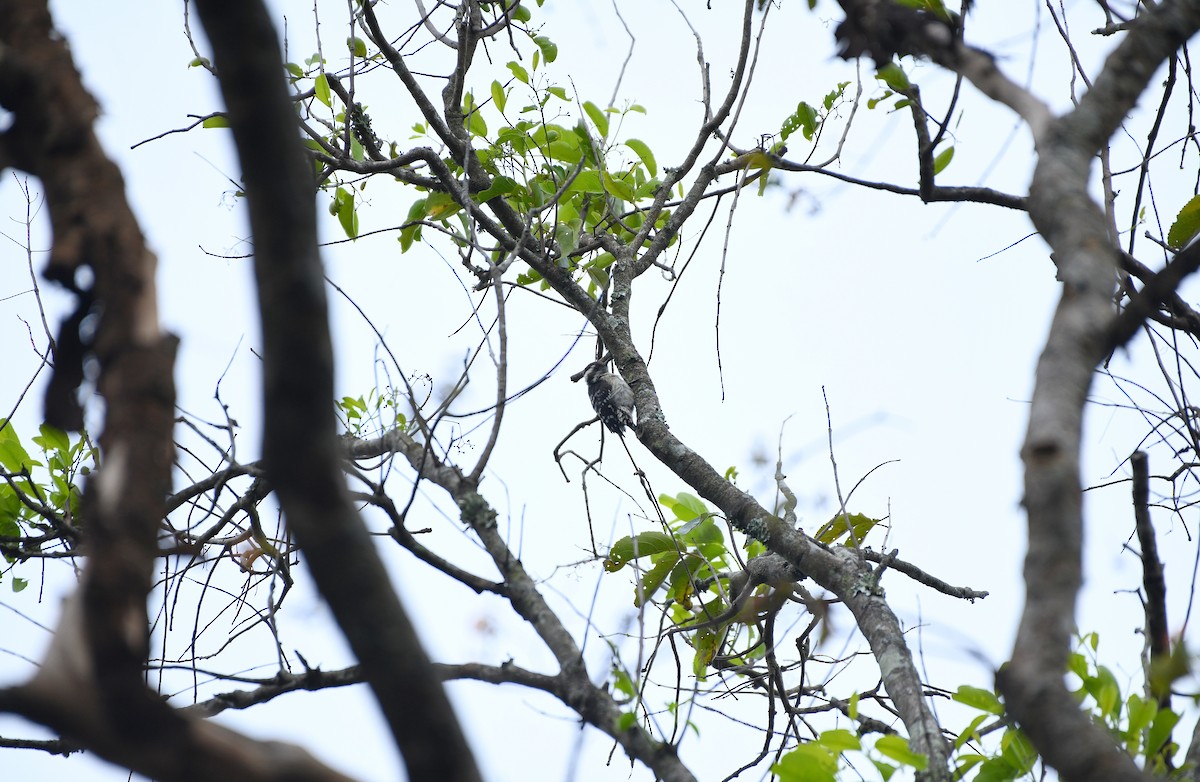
(967,762)
(596,115)
(439,206)
(498,96)
(588,181)
(1018,751)
(654,578)
(218,121)
(520,73)
(642,545)
(893,76)
(357,46)
(19,584)
(684,505)
(942,160)
(806,763)
(700,531)
(996,770)
(896,748)
(617,187)
(501,185)
(474,119)
(803,119)
(626,721)
(886,770)
(622,683)
(706,643)
(1165,671)
(343,207)
(412,230)
(644,153)
(1105,691)
(1140,713)
(1077,664)
(1186,225)
(834,94)
(839,740)
(683,575)
(13,455)
(1160,731)
(52,439)
(565,148)
(321,90)
(548,48)
(978,698)
(199,61)
(837,527)
(10,510)
(968,733)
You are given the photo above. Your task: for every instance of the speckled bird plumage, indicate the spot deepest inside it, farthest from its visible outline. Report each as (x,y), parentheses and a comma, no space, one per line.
(611,397)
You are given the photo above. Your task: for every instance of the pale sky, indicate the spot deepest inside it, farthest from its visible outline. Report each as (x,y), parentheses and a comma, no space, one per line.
(922,333)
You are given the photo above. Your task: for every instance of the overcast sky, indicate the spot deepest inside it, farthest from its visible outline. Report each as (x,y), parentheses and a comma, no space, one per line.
(918,323)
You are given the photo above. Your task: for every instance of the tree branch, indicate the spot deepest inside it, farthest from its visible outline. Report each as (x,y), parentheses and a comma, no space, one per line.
(301,453)
(1076,229)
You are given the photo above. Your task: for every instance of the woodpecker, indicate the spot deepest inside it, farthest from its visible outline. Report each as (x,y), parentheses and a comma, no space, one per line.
(611,396)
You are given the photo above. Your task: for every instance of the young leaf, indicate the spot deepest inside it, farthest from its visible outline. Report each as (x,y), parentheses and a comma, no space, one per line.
(806,763)
(645,544)
(968,733)
(412,231)
(439,206)
(644,153)
(343,207)
(52,439)
(597,117)
(839,740)
(321,90)
(684,505)
(617,187)
(13,455)
(978,698)
(804,119)
(520,73)
(1160,731)
(1186,225)
(475,123)
(548,48)
(942,160)
(498,96)
(654,578)
(893,76)
(501,185)
(896,748)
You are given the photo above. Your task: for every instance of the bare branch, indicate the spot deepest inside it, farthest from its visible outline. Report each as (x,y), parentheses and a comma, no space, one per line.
(301,453)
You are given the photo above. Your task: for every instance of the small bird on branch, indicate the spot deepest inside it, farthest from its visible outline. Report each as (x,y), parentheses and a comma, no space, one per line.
(611,397)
